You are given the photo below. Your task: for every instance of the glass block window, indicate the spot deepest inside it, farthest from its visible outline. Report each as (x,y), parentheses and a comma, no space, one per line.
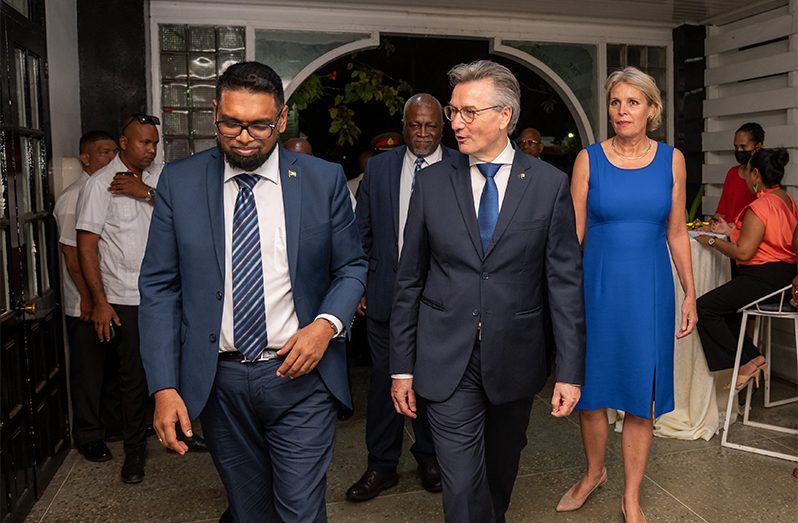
(192,57)
(650,60)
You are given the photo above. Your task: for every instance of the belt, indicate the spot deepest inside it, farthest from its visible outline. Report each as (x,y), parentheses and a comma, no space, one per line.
(267,354)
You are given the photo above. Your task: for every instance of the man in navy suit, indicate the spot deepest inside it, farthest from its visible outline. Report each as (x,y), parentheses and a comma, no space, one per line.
(252,272)
(486,233)
(382,204)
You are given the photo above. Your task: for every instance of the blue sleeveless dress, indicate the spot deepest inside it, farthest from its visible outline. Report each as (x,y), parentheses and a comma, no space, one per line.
(629,295)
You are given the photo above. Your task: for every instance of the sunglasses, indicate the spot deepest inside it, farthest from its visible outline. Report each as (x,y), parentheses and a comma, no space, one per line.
(146,119)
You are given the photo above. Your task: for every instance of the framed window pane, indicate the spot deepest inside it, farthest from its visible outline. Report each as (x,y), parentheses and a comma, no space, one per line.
(173,37)
(25,199)
(175,122)
(38,171)
(31,258)
(173,66)
(202,123)
(44,274)
(202,66)
(202,38)
(225,60)
(202,95)
(33,84)
(22,93)
(201,144)
(175,148)
(174,95)
(230,38)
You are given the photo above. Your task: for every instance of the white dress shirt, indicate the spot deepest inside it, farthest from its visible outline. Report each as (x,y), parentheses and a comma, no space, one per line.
(406,184)
(502,175)
(281,318)
(478,184)
(123,224)
(65,213)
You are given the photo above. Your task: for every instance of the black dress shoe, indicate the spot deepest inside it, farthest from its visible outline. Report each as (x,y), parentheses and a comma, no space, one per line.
(226,517)
(430,476)
(194,443)
(370,484)
(345,413)
(133,469)
(95,451)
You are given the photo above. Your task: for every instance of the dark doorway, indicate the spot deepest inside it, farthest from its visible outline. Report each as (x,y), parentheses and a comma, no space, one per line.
(422,62)
(34,424)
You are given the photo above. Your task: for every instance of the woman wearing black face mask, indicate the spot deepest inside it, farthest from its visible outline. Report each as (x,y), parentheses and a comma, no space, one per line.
(749,137)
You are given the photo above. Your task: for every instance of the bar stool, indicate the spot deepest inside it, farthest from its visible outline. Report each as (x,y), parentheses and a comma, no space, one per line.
(774,305)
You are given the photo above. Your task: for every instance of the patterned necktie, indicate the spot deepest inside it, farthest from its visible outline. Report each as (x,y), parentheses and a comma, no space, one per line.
(249,310)
(419,165)
(488,204)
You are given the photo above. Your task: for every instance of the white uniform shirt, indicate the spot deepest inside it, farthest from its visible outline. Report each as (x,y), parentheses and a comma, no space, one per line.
(123,224)
(501,178)
(66,216)
(281,318)
(406,184)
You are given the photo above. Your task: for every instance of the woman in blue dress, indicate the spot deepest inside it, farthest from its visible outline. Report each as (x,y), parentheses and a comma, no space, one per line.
(629,197)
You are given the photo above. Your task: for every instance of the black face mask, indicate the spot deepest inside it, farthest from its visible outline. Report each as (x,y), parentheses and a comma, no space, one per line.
(743,157)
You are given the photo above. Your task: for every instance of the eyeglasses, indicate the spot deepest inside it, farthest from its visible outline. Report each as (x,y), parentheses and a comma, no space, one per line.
(523,143)
(146,119)
(468,114)
(259,131)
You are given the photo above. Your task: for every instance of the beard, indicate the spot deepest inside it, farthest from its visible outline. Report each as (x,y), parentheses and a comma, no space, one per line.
(246,163)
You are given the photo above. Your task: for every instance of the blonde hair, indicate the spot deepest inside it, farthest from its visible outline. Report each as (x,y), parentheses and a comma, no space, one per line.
(640,80)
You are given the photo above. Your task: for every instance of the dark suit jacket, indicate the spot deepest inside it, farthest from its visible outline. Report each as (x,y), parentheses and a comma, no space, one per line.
(378,221)
(182,275)
(446,287)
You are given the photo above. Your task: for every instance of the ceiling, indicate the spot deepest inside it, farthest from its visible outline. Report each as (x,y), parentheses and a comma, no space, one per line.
(660,12)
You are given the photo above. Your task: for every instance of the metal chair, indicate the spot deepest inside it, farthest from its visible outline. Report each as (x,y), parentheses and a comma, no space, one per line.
(774,305)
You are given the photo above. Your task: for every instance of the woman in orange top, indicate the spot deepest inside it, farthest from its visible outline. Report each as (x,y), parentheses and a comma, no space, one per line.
(761,243)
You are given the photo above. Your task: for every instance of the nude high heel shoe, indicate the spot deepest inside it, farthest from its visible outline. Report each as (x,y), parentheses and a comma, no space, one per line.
(568,502)
(743,379)
(623,511)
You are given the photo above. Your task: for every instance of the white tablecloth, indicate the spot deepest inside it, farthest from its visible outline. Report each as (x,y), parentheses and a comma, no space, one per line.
(698,394)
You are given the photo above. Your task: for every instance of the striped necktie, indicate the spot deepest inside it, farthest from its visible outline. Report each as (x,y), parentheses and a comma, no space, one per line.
(488,204)
(249,310)
(419,165)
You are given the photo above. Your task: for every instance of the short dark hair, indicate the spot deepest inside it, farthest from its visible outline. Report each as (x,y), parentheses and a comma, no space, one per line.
(254,77)
(754,129)
(93,136)
(770,164)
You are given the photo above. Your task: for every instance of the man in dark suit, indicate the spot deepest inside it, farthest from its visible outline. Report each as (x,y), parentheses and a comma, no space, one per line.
(486,233)
(382,204)
(252,272)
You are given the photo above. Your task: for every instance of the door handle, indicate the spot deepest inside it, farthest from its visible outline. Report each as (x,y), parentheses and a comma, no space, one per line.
(30,308)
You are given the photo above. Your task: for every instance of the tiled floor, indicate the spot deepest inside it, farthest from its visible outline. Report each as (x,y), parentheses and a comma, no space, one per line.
(686,480)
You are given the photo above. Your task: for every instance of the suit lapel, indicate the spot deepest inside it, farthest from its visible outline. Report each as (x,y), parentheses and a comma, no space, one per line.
(460,176)
(214,175)
(394,181)
(516,187)
(291,184)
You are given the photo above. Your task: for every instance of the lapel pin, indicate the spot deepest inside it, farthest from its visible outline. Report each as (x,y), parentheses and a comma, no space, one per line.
(291,174)
(522,176)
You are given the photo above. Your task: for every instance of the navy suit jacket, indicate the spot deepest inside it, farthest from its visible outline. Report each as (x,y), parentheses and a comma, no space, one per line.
(378,221)
(447,287)
(182,275)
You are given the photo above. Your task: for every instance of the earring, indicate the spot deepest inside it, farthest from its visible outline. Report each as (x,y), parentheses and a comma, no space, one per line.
(756,187)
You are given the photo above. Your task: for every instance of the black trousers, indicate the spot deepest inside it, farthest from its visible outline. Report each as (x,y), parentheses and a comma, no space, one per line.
(132,380)
(87,360)
(718,321)
(384,427)
(478,445)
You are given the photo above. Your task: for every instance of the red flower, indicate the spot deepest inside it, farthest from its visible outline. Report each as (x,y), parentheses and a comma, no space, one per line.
(333,75)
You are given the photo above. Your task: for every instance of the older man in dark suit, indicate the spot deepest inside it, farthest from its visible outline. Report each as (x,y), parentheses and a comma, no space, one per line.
(486,233)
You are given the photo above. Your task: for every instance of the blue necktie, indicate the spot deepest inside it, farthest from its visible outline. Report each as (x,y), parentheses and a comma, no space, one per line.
(249,310)
(419,164)
(488,204)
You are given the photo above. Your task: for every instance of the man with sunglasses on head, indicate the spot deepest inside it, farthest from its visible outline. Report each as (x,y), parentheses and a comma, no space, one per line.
(113,217)
(250,280)
(486,232)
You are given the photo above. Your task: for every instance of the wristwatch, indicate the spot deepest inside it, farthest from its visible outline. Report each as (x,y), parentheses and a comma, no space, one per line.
(150,195)
(711,241)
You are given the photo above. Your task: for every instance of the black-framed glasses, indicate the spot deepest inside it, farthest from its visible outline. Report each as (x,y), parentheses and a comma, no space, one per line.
(524,143)
(468,114)
(146,119)
(258,131)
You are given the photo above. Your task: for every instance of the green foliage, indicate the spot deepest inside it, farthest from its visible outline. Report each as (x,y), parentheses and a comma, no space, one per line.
(694,206)
(365,84)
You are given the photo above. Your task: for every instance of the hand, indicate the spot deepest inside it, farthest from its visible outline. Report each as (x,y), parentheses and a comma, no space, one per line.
(689,318)
(703,239)
(129,186)
(86,308)
(102,315)
(721,226)
(564,399)
(794,299)
(170,409)
(404,399)
(305,348)
(361,306)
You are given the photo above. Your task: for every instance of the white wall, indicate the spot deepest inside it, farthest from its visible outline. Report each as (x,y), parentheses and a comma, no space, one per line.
(64,86)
